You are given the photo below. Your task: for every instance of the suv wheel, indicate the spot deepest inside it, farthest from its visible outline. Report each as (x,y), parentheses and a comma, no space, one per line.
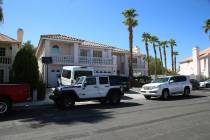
(5,106)
(165,95)
(115,99)
(147,97)
(186,91)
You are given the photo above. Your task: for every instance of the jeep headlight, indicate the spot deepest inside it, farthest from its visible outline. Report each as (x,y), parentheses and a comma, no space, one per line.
(155,87)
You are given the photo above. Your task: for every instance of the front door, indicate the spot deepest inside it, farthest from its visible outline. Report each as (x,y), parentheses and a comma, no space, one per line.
(103,86)
(1,76)
(90,90)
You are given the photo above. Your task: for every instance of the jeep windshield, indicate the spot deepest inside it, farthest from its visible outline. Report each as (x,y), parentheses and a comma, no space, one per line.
(79,80)
(161,80)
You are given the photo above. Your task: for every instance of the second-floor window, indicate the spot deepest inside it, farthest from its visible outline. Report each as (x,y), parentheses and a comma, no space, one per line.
(2,51)
(97,53)
(55,49)
(84,52)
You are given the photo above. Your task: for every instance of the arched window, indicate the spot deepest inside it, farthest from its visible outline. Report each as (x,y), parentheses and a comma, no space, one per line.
(55,49)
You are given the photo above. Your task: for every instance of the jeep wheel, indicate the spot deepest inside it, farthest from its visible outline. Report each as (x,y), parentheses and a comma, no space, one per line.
(186,92)
(207,85)
(165,95)
(147,97)
(65,102)
(115,99)
(103,101)
(5,106)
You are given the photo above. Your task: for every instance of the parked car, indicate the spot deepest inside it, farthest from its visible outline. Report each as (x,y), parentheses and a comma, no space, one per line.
(12,93)
(87,88)
(195,84)
(167,86)
(205,84)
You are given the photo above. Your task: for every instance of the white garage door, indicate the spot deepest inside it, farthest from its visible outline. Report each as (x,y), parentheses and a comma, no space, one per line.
(53,73)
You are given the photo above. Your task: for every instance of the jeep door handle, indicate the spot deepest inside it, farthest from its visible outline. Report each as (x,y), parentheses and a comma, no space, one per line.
(106,86)
(95,87)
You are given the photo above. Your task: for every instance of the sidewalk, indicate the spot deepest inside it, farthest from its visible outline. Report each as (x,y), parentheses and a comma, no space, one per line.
(44,102)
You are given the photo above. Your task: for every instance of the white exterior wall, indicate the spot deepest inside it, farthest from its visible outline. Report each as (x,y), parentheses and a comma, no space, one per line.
(186,69)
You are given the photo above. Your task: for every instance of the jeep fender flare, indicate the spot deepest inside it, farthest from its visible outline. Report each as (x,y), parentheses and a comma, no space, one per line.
(70,93)
(114,91)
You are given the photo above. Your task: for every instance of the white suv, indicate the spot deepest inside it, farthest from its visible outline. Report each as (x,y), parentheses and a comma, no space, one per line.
(167,86)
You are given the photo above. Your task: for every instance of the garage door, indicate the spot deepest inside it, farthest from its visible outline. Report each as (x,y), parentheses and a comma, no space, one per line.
(53,73)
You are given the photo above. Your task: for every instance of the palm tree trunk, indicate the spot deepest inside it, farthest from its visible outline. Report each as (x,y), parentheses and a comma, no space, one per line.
(131,54)
(161,60)
(175,62)
(164,49)
(148,58)
(155,61)
(172,62)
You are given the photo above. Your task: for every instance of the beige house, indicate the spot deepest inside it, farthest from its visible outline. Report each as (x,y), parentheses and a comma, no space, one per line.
(198,65)
(8,50)
(66,50)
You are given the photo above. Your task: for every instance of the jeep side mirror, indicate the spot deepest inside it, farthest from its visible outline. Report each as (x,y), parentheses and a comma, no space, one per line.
(84,85)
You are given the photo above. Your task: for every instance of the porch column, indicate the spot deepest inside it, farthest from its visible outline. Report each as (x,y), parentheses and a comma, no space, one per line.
(76,54)
(14,51)
(47,48)
(114,58)
(126,65)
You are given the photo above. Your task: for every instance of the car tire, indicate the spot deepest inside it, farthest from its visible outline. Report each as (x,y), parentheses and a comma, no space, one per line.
(165,95)
(147,97)
(5,106)
(65,102)
(115,98)
(103,101)
(186,92)
(207,85)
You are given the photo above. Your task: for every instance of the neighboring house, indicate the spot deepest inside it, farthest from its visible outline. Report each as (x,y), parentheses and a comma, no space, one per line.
(8,50)
(198,65)
(66,50)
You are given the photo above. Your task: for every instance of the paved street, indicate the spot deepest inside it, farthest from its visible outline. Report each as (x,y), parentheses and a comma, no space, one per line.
(134,119)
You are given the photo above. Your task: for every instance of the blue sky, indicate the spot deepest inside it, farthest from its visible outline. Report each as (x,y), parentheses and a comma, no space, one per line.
(101,21)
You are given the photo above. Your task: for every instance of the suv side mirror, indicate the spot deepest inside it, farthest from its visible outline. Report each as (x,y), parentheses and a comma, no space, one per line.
(84,85)
(171,81)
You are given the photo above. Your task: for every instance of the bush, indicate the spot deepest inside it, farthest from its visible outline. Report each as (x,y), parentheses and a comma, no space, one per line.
(139,81)
(41,90)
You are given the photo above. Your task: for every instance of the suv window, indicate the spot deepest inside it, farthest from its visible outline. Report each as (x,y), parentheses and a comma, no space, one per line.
(91,81)
(103,80)
(181,78)
(66,74)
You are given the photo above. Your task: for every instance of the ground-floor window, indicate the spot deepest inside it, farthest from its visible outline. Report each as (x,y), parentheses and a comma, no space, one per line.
(1,76)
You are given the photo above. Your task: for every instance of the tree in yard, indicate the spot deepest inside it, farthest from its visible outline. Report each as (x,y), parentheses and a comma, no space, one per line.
(165,45)
(175,53)
(160,51)
(153,65)
(145,38)
(154,41)
(1,12)
(172,43)
(131,22)
(25,66)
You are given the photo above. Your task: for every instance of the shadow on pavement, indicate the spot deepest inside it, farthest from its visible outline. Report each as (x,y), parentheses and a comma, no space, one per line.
(126,98)
(132,92)
(175,98)
(90,113)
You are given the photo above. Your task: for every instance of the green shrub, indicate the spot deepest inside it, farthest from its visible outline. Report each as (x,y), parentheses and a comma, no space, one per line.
(41,90)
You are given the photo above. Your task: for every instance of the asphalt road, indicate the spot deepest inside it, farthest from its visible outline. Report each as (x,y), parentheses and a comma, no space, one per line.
(134,119)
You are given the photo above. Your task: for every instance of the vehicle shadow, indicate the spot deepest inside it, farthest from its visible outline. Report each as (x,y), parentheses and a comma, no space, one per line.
(126,98)
(180,97)
(204,89)
(90,113)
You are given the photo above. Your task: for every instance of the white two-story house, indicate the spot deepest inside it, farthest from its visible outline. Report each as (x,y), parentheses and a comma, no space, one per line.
(198,65)
(70,51)
(8,50)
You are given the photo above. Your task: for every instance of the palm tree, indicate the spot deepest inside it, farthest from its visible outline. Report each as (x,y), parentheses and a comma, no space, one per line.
(165,45)
(154,41)
(172,43)
(1,12)
(175,53)
(131,22)
(160,51)
(145,38)
(206,25)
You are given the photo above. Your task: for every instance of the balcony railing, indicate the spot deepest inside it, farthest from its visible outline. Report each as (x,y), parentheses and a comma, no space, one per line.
(5,60)
(95,60)
(138,66)
(63,59)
